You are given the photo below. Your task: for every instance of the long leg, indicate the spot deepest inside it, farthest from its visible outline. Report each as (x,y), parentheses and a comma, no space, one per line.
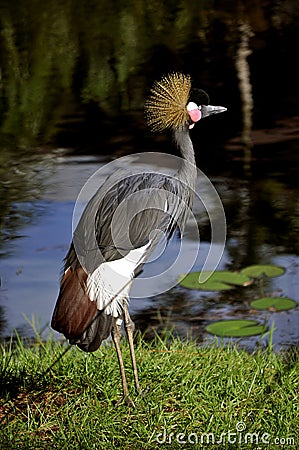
(116,339)
(129,326)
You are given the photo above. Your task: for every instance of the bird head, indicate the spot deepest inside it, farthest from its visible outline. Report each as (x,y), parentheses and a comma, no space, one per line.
(198,106)
(173,104)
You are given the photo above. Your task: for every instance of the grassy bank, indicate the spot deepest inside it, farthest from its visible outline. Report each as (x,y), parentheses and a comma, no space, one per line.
(202,395)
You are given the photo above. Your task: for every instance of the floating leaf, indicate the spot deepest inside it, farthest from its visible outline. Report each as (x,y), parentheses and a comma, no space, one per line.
(214,281)
(236,328)
(258,270)
(274,303)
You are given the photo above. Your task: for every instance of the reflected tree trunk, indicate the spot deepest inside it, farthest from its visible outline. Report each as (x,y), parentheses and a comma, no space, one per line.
(243,74)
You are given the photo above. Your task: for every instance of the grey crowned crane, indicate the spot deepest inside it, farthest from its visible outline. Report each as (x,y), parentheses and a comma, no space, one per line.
(102,261)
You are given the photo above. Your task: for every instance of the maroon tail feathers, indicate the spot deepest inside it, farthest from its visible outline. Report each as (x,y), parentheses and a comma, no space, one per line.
(76,316)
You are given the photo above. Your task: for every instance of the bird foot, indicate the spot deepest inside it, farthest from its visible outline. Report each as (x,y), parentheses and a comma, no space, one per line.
(142,392)
(127,400)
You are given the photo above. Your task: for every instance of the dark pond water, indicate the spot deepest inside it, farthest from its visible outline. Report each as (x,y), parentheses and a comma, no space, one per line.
(73,77)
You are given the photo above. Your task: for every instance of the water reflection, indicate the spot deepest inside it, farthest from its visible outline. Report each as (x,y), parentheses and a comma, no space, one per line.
(63,61)
(263,220)
(243,74)
(74,75)
(30,273)
(30,265)
(21,185)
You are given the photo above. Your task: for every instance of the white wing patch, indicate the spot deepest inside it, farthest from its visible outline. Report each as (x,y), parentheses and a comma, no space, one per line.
(166,205)
(109,285)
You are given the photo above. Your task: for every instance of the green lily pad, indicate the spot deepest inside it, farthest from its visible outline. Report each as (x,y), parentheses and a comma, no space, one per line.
(274,303)
(258,270)
(236,328)
(214,281)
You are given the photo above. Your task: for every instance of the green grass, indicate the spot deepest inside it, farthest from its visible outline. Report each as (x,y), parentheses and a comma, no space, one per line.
(190,389)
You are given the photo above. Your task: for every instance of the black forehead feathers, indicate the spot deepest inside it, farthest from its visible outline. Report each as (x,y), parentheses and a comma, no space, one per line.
(199,97)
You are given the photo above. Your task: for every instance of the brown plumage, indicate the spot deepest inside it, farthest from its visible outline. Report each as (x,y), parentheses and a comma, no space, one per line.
(74,309)
(75,315)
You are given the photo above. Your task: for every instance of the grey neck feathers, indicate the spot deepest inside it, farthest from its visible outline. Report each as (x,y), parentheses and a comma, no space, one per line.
(188,170)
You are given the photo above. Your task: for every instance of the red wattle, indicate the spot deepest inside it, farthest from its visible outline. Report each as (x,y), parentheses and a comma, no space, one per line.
(195,115)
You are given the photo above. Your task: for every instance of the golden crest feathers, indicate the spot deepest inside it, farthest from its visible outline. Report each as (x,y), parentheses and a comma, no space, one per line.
(166,106)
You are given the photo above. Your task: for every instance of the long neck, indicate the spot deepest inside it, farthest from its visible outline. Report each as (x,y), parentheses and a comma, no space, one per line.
(187,171)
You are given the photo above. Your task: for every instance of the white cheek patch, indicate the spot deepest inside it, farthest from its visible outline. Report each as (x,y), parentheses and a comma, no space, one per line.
(194,112)
(191,106)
